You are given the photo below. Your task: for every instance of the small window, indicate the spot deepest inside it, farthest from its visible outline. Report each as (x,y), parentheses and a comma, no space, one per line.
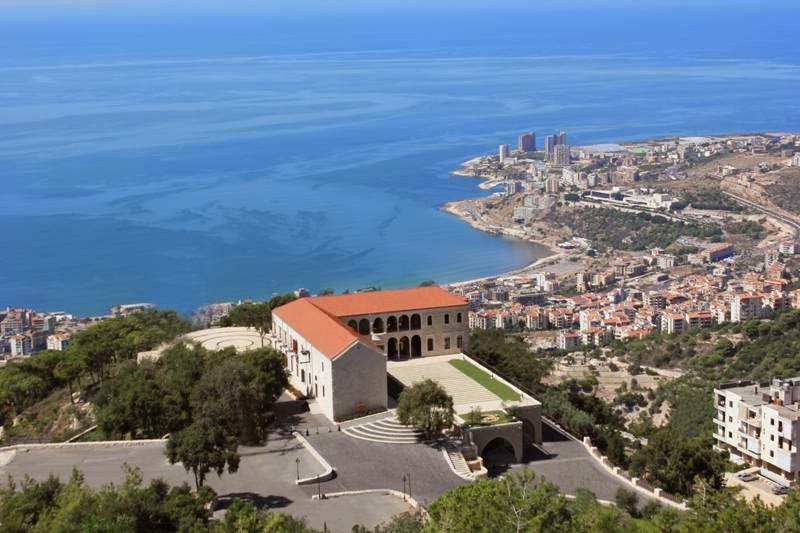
(772,438)
(322,366)
(780,425)
(771,453)
(771,421)
(447,343)
(447,318)
(458,318)
(730,435)
(323,391)
(302,375)
(459,342)
(730,419)
(730,404)
(430,345)
(430,320)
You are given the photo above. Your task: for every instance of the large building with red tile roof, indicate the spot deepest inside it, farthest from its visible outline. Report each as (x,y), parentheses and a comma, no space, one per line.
(336,346)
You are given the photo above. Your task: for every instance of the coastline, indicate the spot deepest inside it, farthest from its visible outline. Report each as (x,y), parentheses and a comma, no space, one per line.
(554,255)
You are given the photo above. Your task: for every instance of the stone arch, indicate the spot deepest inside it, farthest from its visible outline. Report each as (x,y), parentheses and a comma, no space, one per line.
(404,347)
(353,325)
(363,326)
(404,322)
(499,451)
(391,348)
(416,321)
(377,325)
(416,346)
(391,323)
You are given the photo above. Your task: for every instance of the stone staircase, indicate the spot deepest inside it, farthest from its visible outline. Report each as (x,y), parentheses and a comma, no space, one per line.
(457,462)
(386,430)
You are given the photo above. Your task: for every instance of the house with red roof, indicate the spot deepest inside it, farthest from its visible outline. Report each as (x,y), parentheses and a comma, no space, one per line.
(336,347)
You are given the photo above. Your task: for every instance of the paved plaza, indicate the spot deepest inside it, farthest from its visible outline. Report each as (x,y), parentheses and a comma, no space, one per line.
(266,476)
(466,392)
(362,464)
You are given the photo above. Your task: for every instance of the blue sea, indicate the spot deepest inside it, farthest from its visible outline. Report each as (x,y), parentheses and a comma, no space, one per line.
(197,158)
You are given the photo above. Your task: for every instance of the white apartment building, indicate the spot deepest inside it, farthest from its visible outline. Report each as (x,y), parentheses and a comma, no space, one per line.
(747,306)
(757,424)
(57,341)
(21,345)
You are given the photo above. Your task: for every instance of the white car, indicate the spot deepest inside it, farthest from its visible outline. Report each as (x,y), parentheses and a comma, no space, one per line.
(746,476)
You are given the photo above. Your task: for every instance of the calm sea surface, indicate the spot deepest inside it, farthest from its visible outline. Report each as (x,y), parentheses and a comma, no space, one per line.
(188,161)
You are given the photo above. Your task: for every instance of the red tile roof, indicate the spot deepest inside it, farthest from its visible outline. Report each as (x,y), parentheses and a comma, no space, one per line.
(366,303)
(326,333)
(318,319)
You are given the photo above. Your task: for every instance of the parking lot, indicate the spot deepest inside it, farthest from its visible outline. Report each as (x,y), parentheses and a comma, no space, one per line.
(266,477)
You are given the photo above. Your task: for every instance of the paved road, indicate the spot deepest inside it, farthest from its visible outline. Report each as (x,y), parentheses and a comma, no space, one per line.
(788,221)
(362,464)
(569,466)
(266,476)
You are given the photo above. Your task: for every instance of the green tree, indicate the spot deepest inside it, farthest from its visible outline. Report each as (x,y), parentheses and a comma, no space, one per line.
(426,405)
(517,502)
(203,447)
(237,392)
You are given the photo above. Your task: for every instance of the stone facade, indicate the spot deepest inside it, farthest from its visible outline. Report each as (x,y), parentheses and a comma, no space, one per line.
(417,333)
(352,381)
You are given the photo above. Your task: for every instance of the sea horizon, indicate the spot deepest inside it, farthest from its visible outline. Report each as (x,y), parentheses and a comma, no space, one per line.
(239,159)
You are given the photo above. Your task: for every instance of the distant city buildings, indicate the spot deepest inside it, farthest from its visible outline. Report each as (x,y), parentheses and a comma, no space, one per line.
(561,155)
(527,142)
(504,153)
(127,309)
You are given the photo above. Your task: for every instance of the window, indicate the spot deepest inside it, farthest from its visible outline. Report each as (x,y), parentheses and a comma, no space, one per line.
(780,425)
(447,318)
(302,375)
(771,421)
(772,438)
(730,404)
(323,391)
(730,435)
(771,453)
(322,366)
(730,419)
(447,343)
(430,345)
(430,320)
(459,342)
(458,318)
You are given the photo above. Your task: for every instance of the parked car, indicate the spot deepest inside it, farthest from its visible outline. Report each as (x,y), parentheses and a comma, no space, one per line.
(780,489)
(746,476)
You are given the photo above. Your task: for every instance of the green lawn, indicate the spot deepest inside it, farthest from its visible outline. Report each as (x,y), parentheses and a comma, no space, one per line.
(503,391)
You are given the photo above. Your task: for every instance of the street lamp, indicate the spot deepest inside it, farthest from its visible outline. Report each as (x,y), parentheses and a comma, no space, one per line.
(404,487)
(297,462)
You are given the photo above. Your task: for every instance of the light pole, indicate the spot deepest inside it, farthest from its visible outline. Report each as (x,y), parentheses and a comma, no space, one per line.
(297,462)
(404,487)
(319,489)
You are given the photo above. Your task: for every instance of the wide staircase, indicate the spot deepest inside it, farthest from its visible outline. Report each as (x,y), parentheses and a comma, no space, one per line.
(387,430)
